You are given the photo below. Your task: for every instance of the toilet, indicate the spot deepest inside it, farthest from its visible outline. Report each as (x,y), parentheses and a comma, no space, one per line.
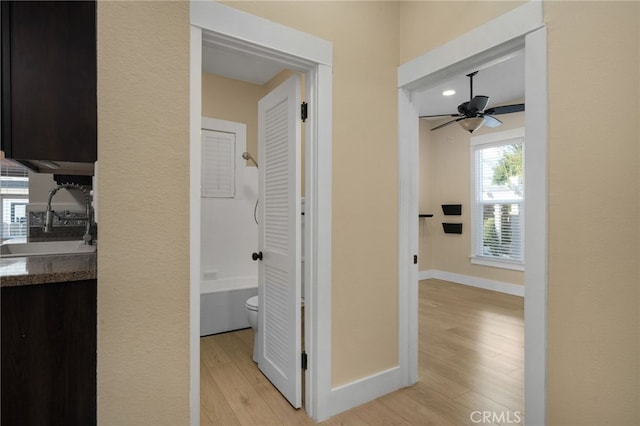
(253,304)
(252,311)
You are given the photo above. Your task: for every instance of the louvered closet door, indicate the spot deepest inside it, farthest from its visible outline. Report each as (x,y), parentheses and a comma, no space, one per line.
(279,241)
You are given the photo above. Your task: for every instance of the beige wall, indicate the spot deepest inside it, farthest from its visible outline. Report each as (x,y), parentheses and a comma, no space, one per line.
(593,211)
(427,227)
(445,178)
(425,25)
(364,291)
(280,78)
(233,100)
(143,258)
(143,290)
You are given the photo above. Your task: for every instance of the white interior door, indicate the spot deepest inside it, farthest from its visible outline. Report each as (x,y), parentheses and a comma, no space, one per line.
(279,239)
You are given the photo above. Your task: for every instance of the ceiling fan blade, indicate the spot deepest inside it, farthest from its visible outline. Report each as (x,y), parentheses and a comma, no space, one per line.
(439,115)
(463,109)
(447,123)
(478,103)
(505,109)
(490,121)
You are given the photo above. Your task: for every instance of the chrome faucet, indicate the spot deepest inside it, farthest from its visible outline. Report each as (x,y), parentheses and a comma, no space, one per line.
(48,216)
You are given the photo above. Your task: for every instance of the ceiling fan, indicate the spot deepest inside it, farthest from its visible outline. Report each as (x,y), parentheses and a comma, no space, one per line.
(472,114)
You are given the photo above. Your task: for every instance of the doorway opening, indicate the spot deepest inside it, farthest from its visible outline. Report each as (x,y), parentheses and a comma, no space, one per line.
(523,28)
(251,202)
(217,25)
(234,210)
(484,330)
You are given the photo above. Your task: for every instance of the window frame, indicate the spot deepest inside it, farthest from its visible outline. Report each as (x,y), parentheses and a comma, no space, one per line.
(495,139)
(10,197)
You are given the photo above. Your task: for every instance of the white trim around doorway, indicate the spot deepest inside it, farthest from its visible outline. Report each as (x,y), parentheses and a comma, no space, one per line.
(215,23)
(520,28)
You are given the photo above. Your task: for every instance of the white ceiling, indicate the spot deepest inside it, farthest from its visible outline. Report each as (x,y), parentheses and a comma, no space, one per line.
(237,65)
(502,80)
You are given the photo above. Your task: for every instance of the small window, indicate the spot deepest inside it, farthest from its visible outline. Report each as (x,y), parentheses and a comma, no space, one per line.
(218,164)
(14,194)
(498,199)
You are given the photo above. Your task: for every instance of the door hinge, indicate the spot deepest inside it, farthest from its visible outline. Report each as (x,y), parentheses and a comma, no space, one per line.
(304,360)
(415,259)
(303,111)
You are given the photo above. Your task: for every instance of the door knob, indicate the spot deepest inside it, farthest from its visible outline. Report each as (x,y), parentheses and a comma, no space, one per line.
(257,256)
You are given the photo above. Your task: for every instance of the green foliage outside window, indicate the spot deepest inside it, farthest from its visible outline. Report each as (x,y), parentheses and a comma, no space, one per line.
(510,165)
(499,242)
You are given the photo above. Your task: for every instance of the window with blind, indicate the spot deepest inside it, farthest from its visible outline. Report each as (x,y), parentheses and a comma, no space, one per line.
(218,164)
(14,197)
(498,199)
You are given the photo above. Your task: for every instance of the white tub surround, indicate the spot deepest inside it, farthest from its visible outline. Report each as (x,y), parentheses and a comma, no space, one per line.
(222,304)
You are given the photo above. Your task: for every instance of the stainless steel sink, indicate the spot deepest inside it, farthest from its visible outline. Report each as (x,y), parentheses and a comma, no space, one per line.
(46,248)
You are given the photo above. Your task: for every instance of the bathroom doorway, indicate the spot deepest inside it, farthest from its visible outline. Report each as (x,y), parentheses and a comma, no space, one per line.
(243,213)
(521,28)
(234,31)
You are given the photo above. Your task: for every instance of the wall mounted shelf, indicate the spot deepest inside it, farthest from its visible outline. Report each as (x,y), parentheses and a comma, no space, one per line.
(452,228)
(452,209)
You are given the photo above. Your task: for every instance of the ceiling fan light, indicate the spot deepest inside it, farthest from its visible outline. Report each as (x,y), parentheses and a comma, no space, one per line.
(471,124)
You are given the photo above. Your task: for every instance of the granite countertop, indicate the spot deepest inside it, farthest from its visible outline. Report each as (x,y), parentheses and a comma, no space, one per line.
(19,271)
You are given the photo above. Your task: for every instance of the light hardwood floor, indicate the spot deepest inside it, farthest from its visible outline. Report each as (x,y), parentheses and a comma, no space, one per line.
(471,364)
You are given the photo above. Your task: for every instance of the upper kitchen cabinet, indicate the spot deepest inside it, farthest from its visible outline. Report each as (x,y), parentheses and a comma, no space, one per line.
(49,112)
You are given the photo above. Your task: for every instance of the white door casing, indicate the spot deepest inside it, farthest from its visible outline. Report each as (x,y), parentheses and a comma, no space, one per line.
(213,22)
(521,27)
(279,289)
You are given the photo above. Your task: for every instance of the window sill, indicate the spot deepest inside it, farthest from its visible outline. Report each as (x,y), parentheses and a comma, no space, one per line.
(514,266)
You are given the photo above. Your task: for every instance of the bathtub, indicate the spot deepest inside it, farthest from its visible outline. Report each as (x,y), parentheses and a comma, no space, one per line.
(222,304)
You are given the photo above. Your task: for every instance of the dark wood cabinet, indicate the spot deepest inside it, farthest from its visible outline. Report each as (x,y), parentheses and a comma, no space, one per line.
(48,362)
(49,79)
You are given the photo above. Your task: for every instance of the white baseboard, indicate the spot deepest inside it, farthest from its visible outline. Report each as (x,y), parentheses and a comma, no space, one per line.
(499,286)
(356,393)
